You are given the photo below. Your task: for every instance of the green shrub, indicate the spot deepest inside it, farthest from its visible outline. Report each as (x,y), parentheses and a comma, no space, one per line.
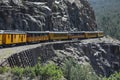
(46,72)
(37,69)
(29,71)
(51,71)
(18,71)
(115,76)
(74,71)
(3,69)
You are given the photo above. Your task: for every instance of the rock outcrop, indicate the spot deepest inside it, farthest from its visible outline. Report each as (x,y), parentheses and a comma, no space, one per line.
(103,57)
(47,15)
(102,54)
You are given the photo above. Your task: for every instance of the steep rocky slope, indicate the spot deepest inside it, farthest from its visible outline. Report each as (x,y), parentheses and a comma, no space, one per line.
(54,15)
(60,15)
(102,54)
(103,57)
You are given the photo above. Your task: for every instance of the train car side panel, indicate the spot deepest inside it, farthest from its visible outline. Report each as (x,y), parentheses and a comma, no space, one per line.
(100,34)
(76,35)
(1,38)
(44,37)
(18,38)
(37,36)
(58,36)
(29,38)
(25,38)
(91,35)
(15,38)
(21,38)
(7,39)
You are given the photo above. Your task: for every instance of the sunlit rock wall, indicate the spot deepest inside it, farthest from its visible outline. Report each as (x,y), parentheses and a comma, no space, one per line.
(53,15)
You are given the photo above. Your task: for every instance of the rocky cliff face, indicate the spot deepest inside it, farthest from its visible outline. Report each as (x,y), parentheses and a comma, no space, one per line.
(44,15)
(102,54)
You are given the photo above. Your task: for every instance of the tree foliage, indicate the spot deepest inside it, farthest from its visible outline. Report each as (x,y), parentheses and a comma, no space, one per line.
(45,72)
(115,76)
(108,16)
(74,71)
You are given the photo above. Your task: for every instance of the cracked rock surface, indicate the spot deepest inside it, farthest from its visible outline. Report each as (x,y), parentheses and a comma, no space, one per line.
(47,15)
(103,57)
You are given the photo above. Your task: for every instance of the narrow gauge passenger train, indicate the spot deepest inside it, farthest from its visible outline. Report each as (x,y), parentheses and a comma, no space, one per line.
(8,37)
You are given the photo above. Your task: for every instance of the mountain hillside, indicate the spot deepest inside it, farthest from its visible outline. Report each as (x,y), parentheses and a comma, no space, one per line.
(108,16)
(47,15)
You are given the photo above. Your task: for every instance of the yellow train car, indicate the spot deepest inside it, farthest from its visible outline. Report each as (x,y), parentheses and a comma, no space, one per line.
(100,34)
(58,35)
(91,34)
(1,38)
(37,36)
(77,35)
(13,37)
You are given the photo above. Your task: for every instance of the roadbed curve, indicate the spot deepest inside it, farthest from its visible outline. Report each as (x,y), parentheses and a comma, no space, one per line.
(6,52)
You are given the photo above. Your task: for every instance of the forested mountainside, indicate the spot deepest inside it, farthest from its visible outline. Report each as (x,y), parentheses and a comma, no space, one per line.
(108,16)
(45,15)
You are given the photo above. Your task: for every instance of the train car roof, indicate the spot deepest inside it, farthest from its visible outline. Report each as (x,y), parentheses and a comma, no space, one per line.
(57,32)
(36,32)
(11,32)
(100,31)
(85,31)
(93,31)
(78,32)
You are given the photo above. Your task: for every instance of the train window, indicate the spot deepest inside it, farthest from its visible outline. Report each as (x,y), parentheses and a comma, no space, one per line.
(59,35)
(33,35)
(43,34)
(46,34)
(71,34)
(37,34)
(28,35)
